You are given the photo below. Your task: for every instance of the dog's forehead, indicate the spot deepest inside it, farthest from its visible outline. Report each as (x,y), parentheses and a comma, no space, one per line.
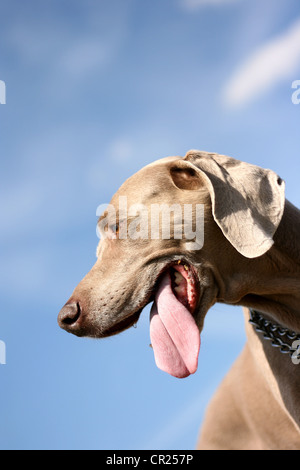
(147,182)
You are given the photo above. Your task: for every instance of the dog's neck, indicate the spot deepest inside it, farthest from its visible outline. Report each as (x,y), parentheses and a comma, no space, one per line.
(287,235)
(284,278)
(281,302)
(279,373)
(273,283)
(269,283)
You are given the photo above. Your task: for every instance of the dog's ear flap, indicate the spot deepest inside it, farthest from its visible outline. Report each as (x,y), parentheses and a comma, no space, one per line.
(247,201)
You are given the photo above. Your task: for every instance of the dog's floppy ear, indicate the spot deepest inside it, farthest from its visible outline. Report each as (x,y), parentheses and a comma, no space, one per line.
(247,201)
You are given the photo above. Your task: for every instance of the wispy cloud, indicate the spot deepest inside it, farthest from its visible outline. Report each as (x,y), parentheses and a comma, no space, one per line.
(277,60)
(172,431)
(195,4)
(121,150)
(88,56)
(189,417)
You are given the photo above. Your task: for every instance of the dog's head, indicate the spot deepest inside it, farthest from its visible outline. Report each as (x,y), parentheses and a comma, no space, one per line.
(175,233)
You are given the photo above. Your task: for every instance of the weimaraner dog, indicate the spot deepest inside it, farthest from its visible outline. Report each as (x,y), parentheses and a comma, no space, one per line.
(249,255)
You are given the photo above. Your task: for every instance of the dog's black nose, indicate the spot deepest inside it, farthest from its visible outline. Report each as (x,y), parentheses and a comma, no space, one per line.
(69,316)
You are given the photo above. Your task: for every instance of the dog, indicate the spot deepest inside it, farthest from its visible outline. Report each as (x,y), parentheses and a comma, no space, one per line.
(247,255)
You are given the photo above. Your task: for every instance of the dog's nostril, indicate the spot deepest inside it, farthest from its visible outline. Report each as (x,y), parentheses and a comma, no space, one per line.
(69,314)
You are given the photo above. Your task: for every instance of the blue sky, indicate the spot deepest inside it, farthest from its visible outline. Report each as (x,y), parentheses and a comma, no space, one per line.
(94,91)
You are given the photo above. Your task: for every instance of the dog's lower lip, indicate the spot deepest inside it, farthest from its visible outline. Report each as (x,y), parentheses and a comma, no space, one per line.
(123,324)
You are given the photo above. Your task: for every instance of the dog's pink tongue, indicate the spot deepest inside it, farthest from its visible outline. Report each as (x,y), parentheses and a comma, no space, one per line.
(175,337)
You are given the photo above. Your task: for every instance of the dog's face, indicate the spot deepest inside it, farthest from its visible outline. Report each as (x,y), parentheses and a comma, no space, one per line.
(160,242)
(127,271)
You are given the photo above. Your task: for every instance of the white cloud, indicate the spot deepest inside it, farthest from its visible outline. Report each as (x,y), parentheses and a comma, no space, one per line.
(194,4)
(70,54)
(275,61)
(121,150)
(87,56)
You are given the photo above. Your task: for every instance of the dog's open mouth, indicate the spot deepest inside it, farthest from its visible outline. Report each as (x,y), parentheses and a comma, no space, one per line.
(174,333)
(175,337)
(184,285)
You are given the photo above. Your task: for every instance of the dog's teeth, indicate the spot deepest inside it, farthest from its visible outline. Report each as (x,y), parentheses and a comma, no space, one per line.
(179,289)
(186,267)
(178,278)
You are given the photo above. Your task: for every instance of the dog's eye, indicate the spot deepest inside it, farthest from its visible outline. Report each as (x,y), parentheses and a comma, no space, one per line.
(115,228)
(113,231)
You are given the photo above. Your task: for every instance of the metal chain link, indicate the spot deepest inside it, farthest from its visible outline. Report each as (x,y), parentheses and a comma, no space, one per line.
(276,334)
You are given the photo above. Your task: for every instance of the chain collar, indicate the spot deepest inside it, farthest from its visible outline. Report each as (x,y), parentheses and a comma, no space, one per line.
(286,340)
